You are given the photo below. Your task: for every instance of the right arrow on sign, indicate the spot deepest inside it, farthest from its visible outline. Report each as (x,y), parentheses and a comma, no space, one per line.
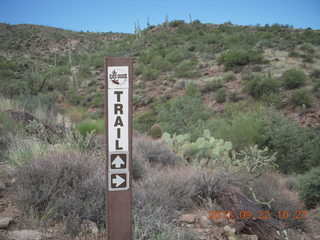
(118,180)
(118,162)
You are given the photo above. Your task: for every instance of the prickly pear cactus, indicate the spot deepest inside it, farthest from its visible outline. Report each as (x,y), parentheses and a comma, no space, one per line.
(205,151)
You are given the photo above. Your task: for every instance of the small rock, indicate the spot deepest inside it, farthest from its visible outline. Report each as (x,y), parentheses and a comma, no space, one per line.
(13,180)
(230,232)
(248,237)
(204,222)
(5,222)
(238,226)
(2,186)
(24,235)
(188,218)
(217,231)
(90,227)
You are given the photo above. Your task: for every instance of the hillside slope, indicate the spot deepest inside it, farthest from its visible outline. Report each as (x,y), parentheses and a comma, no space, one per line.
(43,60)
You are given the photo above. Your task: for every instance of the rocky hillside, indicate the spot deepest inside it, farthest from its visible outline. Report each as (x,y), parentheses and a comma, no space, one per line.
(224,61)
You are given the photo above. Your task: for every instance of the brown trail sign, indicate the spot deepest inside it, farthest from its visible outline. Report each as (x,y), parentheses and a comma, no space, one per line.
(118,125)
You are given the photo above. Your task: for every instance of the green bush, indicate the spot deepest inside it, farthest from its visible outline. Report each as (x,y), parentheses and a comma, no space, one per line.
(88,126)
(138,69)
(84,71)
(243,128)
(9,129)
(261,85)
(316,86)
(221,95)
(143,121)
(150,74)
(239,57)
(300,97)
(23,150)
(176,23)
(185,69)
(213,85)
(160,63)
(229,76)
(309,187)
(181,114)
(191,89)
(293,78)
(97,100)
(178,55)
(298,149)
(59,71)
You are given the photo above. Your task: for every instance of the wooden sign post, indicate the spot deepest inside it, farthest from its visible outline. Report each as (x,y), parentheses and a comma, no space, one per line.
(118,125)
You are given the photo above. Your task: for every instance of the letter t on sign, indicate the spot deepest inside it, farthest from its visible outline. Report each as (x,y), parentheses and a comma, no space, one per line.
(118,125)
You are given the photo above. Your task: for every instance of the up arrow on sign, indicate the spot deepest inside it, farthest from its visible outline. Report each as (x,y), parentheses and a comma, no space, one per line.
(118,162)
(118,180)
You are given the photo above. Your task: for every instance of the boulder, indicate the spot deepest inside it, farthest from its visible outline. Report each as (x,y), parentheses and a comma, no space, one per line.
(2,186)
(204,222)
(188,218)
(24,235)
(5,222)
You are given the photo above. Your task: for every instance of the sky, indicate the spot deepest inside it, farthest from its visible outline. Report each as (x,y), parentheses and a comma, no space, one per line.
(121,15)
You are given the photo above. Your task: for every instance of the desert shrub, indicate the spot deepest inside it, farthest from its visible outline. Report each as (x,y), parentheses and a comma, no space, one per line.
(185,69)
(229,76)
(142,100)
(239,57)
(23,150)
(293,78)
(150,74)
(297,148)
(176,23)
(178,55)
(309,187)
(243,129)
(181,114)
(138,70)
(140,165)
(232,96)
(271,188)
(63,186)
(160,63)
(221,95)
(84,71)
(191,89)
(213,85)
(261,85)
(97,100)
(300,97)
(89,125)
(316,85)
(315,74)
(143,121)
(308,48)
(154,152)
(9,129)
(59,71)
(168,192)
(272,99)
